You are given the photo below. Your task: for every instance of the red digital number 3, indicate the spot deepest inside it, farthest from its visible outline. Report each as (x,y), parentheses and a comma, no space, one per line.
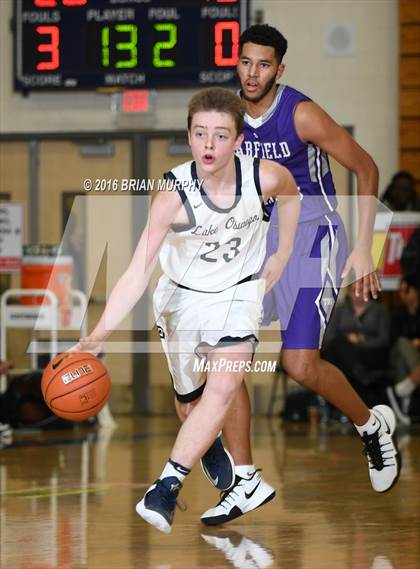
(52,48)
(45,3)
(219,28)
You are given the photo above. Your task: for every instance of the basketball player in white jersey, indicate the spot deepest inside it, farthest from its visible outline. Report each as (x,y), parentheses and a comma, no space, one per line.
(208,302)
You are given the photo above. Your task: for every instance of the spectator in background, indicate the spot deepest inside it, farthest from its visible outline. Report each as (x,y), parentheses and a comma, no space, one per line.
(410,259)
(405,354)
(357,342)
(401,193)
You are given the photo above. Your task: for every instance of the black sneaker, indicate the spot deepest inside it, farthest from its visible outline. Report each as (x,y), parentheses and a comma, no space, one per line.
(382,452)
(218,466)
(158,504)
(246,495)
(399,405)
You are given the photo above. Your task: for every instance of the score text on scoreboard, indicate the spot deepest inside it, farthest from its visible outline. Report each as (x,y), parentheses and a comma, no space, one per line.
(89,44)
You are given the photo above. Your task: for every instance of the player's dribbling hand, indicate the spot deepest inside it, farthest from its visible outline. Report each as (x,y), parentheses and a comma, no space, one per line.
(273,269)
(89,344)
(366,280)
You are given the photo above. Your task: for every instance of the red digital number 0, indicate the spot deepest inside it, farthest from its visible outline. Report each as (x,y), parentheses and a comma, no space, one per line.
(45,3)
(219,28)
(52,48)
(74,2)
(53,3)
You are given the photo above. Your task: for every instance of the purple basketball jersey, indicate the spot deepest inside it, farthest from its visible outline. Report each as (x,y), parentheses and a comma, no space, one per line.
(273,136)
(305,295)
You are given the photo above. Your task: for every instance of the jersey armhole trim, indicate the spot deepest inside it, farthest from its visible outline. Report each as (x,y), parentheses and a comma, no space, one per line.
(257,181)
(266,207)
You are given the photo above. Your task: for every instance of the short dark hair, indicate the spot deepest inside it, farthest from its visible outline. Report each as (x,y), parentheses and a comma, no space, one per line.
(411,280)
(263,34)
(403,174)
(220,100)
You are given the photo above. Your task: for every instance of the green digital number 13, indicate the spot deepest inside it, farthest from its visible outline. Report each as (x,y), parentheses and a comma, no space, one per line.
(130,46)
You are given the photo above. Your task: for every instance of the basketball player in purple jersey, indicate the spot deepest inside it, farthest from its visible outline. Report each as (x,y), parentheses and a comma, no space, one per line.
(284,125)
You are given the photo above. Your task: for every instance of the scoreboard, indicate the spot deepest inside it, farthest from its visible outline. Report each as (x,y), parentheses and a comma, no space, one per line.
(91,44)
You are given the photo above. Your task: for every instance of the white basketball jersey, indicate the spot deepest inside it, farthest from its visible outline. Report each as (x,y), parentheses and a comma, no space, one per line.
(218,247)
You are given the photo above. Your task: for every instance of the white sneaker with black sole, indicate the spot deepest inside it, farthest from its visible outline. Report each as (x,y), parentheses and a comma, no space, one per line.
(246,495)
(382,452)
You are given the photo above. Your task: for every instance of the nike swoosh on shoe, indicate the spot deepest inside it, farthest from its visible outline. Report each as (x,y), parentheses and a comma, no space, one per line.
(248,496)
(214,481)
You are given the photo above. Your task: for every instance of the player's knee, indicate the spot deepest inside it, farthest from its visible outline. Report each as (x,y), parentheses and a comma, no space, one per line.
(303,372)
(224,389)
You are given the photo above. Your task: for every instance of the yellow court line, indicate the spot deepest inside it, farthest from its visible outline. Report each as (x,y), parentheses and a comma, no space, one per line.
(47,491)
(65,493)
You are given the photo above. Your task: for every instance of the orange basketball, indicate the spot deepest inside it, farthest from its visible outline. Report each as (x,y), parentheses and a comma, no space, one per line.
(75,386)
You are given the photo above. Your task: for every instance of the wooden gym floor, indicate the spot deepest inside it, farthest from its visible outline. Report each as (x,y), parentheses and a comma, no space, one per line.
(67,501)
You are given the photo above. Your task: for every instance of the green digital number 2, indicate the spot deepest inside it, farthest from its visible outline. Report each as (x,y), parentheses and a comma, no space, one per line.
(169,44)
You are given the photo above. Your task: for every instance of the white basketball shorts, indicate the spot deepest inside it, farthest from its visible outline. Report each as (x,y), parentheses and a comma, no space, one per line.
(192,323)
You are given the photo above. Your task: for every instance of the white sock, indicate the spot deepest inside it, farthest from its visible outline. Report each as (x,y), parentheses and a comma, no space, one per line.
(245,470)
(370,427)
(172,468)
(405,387)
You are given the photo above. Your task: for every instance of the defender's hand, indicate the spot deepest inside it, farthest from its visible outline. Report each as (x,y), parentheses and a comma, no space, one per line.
(361,262)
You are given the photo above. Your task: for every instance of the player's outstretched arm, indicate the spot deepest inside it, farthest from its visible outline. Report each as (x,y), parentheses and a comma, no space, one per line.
(132,284)
(277,182)
(314,125)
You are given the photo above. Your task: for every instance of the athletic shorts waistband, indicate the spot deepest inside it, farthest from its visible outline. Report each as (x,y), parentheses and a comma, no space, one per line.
(245,280)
